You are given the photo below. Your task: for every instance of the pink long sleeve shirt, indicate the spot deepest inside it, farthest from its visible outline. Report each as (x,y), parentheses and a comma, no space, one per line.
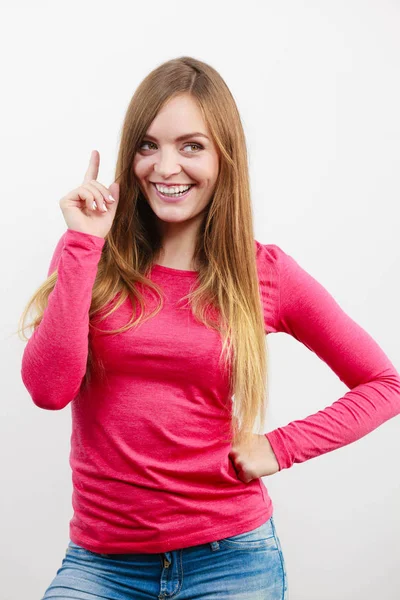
(149,471)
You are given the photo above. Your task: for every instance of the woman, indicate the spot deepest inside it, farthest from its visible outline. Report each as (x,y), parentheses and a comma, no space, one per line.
(152,324)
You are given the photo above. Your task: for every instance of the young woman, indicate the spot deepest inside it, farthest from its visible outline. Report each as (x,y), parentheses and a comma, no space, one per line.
(152,325)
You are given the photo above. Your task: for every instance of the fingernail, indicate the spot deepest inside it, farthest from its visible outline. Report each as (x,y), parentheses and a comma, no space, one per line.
(105,207)
(111,198)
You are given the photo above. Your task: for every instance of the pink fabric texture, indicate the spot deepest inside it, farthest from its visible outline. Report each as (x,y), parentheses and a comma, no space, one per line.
(150,468)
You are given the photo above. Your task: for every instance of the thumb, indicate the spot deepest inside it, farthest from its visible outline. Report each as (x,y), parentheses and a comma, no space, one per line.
(114,190)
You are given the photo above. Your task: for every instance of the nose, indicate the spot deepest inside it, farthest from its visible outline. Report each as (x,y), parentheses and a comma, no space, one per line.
(167,165)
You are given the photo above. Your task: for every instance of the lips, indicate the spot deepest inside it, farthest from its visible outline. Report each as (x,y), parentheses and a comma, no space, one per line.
(174,198)
(173,185)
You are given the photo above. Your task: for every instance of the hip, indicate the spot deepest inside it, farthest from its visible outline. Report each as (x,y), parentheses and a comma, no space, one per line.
(250,565)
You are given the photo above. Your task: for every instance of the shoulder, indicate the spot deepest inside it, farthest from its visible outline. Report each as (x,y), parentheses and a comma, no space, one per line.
(273,261)
(283,283)
(268,259)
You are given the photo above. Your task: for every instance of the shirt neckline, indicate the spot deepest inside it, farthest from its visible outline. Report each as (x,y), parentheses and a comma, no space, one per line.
(164,269)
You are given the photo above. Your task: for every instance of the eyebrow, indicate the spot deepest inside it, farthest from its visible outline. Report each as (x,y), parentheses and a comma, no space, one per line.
(181,138)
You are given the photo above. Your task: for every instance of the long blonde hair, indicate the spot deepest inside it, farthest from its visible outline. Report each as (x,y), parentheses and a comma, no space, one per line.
(225,250)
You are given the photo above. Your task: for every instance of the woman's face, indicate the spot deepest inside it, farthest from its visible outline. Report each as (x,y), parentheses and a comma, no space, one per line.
(164,159)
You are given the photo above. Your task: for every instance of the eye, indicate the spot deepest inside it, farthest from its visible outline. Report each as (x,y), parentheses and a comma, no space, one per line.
(144,142)
(198,146)
(194,144)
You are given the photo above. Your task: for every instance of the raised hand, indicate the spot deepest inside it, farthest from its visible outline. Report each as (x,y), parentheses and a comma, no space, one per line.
(83,207)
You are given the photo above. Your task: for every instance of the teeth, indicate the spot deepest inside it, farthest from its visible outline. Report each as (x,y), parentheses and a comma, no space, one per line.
(172,190)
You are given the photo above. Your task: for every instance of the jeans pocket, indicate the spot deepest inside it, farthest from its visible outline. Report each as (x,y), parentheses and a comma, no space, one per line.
(260,537)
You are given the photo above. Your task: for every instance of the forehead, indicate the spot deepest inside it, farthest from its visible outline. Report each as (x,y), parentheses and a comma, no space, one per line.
(181,115)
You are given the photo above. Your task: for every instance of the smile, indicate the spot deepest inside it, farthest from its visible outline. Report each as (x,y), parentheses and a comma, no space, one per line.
(174,198)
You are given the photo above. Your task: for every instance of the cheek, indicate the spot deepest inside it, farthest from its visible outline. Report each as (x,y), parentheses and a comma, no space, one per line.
(140,167)
(208,171)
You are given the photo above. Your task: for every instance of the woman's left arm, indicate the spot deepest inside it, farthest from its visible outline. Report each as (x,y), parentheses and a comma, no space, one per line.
(309,313)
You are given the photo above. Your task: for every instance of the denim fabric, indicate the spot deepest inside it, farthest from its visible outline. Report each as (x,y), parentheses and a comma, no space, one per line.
(248,566)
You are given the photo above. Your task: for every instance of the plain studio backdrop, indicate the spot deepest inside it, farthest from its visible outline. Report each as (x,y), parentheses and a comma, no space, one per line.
(317,84)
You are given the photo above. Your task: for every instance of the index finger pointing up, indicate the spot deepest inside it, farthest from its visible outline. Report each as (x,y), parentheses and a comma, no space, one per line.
(93,168)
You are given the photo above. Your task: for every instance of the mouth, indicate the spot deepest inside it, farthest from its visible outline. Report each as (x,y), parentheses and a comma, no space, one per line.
(175,197)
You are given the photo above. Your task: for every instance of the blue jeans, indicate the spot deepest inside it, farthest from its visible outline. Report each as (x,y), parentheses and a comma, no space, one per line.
(248,566)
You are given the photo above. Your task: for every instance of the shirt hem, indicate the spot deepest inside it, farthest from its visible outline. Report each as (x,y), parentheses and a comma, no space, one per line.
(208,536)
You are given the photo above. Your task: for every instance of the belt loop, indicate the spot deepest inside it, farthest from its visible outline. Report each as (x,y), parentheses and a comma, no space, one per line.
(214,545)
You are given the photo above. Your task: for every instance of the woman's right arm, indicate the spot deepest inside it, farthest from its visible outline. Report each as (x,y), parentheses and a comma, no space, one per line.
(54,359)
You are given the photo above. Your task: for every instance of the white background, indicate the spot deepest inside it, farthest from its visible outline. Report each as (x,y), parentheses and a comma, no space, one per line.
(317,84)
